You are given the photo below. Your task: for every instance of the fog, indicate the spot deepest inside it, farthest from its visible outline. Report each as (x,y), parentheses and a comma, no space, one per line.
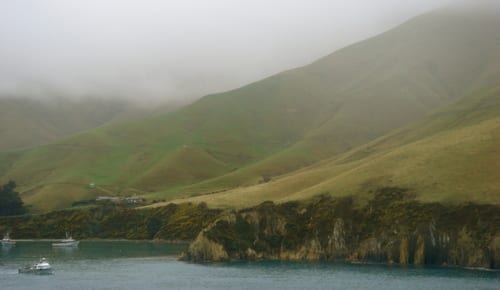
(178,49)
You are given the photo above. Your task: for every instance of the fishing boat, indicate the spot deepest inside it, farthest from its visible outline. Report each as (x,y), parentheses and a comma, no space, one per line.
(41,268)
(6,241)
(68,242)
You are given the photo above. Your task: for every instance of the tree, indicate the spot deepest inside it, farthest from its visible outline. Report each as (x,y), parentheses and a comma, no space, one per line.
(10,202)
(154,225)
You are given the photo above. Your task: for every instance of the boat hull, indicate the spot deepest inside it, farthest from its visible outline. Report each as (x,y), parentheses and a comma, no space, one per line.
(8,243)
(35,271)
(66,244)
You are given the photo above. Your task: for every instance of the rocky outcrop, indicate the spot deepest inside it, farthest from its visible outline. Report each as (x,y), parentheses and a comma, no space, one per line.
(392,228)
(204,249)
(495,252)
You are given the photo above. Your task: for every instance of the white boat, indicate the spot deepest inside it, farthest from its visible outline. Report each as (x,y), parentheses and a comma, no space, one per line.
(68,242)
(40,268)
(6,241)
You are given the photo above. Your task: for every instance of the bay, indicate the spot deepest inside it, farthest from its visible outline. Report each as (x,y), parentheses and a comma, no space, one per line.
(144,265)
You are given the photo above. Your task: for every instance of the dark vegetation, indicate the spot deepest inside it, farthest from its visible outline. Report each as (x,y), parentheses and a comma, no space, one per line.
(10,202)
(392,227)
(172,222)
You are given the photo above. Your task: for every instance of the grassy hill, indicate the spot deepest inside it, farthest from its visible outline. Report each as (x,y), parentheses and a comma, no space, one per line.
(452,156)
(291,121)
(372,88)
(26,122)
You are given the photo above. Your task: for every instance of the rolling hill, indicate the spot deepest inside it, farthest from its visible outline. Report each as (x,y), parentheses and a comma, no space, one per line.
(452,156)
(27,122)
(297,128)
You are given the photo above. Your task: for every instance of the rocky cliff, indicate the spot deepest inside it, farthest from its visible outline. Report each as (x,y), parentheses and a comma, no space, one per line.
(390,228)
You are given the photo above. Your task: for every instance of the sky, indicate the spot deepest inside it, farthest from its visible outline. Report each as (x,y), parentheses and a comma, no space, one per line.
(157,51)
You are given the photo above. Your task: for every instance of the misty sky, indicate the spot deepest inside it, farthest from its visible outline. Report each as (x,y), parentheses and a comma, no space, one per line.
(161,50)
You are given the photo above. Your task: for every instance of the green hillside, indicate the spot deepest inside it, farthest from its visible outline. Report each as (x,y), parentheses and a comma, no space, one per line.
(26,122)
(453,156)
(406,73)
(234,140)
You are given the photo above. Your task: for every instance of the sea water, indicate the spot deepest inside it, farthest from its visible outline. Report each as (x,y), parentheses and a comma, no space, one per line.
(143,265)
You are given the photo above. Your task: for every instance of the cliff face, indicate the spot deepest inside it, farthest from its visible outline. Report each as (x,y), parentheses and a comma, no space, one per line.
(390,228)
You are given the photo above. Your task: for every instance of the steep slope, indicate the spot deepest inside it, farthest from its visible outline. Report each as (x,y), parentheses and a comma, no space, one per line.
(453,156)
(277,125)
(386,82)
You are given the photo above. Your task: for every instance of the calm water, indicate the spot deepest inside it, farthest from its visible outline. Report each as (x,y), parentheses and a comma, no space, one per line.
(134,265)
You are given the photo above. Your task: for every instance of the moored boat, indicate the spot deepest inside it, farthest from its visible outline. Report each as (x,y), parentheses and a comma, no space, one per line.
(41,268)
(68,242)
(6,241)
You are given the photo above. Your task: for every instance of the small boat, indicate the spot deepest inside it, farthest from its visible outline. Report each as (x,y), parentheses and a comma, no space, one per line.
(6,241)
(41,268)
(68,242)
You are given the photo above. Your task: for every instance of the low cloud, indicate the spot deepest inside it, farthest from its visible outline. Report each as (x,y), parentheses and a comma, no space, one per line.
(164,50)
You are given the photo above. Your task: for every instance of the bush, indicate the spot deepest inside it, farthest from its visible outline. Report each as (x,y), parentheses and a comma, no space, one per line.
(10,202)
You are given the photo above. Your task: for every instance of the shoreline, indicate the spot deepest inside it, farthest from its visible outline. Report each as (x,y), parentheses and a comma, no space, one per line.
(106,240)
(230,261)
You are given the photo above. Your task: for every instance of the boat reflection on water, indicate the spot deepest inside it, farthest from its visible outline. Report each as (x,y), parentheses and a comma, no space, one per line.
(65,251)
